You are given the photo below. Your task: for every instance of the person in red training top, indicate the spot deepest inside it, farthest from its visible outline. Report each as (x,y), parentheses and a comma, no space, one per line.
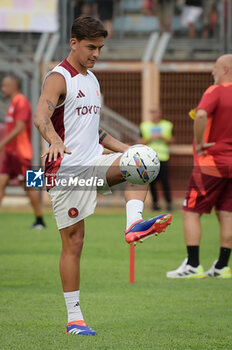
(17,144)
(211,181)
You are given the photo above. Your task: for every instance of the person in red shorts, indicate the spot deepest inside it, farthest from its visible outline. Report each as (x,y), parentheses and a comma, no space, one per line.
(211,181)
(17,144)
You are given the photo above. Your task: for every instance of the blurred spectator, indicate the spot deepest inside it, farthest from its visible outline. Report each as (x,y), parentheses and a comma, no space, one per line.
(85,7)
(165,13)
(191,13)
(157,134)
(163,9)
(209,18)
(149,7)
(105,12)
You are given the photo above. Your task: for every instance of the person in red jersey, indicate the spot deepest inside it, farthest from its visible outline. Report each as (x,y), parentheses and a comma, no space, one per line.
(211,181)
(17,144)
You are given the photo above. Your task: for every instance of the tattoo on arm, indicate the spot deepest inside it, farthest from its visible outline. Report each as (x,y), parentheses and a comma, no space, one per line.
(101,138)
(51,106)
(46,129)
(102,134)
(44,126)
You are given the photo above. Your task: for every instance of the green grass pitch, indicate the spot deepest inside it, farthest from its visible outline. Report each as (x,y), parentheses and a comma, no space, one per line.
(154,313)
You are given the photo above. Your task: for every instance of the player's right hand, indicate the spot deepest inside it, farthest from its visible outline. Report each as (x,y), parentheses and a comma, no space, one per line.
(56,148)
(201,148)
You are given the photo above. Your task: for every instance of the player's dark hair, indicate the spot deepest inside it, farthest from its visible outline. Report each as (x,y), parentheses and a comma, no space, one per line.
(85,27)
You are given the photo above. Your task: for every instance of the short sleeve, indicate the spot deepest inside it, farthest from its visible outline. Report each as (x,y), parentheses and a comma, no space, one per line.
(210,99)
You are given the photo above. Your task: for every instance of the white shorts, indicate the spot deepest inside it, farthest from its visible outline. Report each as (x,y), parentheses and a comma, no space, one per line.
(74,203)
(190,14)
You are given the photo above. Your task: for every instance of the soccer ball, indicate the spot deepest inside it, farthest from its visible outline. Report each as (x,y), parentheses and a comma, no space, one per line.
(140,165)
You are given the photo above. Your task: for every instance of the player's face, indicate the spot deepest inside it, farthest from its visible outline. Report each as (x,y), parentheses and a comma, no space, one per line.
(217,72)
(86,52)
(8,87)
(155,115)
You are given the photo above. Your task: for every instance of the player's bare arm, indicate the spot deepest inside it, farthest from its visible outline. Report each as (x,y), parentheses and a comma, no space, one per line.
(159,137)
(162,137)
(199,128)
(111,143)
(19,127)
(53,94)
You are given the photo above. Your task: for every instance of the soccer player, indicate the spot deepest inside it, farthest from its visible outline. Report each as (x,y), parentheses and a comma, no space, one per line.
(67,117)
(211,181)
(17,144)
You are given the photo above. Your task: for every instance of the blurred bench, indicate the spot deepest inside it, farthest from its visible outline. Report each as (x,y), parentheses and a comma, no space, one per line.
(131,6)
(135,26)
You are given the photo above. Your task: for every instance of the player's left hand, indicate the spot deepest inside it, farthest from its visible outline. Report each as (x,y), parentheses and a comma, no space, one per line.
(55,150)
(201,148)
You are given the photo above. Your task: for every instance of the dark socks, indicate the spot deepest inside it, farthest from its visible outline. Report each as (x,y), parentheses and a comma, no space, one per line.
(39,220)
(223,258)
(193,255)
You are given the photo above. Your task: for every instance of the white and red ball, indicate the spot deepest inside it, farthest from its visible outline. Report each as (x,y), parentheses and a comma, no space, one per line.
(140,164)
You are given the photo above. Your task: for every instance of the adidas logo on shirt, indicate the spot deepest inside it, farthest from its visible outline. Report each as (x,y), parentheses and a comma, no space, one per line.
(80,94)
